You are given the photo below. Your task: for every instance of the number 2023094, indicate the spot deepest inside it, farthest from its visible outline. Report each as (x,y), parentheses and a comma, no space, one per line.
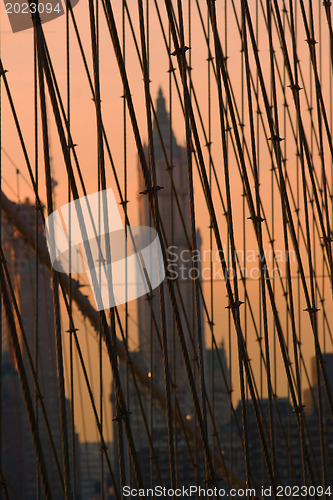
(32,8)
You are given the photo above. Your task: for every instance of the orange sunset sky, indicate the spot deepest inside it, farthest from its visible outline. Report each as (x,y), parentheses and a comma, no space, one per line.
(17,56)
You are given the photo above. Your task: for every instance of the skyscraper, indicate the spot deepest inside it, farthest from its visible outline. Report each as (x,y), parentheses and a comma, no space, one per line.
(180,265)
(21,265)
(170,167)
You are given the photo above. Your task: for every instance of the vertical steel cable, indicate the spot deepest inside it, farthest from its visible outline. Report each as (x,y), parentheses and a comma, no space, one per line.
(284,12)
(235,306)
(25,387)
(72,396)
(91,397)
(192,327)
(327,5)
(124,204)
(262,264)
(285,358)
(161,289)
(55,281)
(88,311)
(196,160)
(141,402)
(243,195)
(36,243)
(228,246)
(156,216)
(275,143)
(80,396)
(298,223)
(259,225)
(306,151)
(272,241)
(311,197)
(199,332)
(321,113)
(106,333)
(311,44)
(31,363)
(324,200)
(151,296)
(310,262)
(173,195)
(209,146)
(3,486)
(119,401)
(100,175)
(101,412)
(85,307)
(216,231)
(326,242)
(272,300)
(328,14)
(314,273)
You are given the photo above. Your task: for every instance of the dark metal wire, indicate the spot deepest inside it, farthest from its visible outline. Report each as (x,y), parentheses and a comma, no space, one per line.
(25,387)
(54,277)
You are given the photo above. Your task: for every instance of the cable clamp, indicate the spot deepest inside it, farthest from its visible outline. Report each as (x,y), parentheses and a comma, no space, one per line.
(312,310)
(180,51)
(72,330)
(298,409)
(234,305)
(311,41)
(297,88)
(257,219)
(121,417)
(151,190)
(276,138)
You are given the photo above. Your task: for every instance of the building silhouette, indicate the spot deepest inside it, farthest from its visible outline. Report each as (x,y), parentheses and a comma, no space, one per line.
(149,354)
(179,261)
(287,442)
(15,429)
(21,265)
(90,469)
(216,391)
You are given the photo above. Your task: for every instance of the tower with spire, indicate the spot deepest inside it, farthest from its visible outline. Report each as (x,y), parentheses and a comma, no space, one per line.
(170,167)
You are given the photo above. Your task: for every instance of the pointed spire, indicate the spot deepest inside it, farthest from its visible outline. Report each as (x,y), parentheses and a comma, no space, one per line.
(160,106)
(163,120)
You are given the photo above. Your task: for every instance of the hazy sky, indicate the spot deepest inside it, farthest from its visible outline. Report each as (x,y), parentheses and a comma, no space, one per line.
(17,57)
